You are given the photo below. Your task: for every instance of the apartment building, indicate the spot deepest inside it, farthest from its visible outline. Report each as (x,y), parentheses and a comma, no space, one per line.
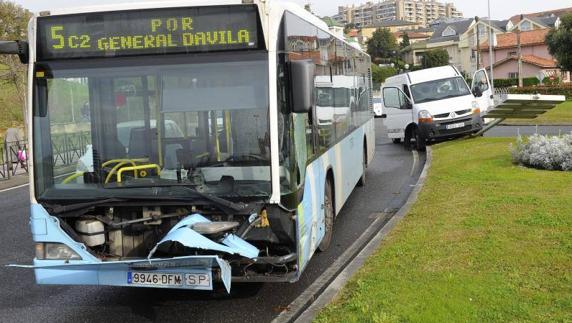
(421,12)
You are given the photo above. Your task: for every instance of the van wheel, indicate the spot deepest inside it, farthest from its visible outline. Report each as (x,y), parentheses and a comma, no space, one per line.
(407,140)
(361,182)
(329,217)
(396,140)
(420,141)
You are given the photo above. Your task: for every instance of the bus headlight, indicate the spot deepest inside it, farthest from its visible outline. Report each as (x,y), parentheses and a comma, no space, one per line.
(55,251)
(425,116)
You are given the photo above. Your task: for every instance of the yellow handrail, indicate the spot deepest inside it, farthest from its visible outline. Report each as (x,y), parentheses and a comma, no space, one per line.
(72,177)
(136,168)
(117,167)
(115,161)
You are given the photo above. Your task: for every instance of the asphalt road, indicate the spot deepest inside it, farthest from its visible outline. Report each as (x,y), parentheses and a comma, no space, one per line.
(389,181)
(513,131)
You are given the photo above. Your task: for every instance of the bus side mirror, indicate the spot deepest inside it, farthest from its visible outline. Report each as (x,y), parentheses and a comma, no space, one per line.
(15,47)
(302,85)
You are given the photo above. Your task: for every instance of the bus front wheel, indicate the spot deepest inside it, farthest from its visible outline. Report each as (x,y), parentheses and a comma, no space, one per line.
(329,217)
(361,182)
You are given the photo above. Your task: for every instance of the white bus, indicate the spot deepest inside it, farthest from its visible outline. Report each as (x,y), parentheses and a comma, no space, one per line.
(244,187)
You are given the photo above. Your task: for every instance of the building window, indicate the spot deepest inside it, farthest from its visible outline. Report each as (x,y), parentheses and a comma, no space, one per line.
(448,32)
(512,54)
(513,75)
(525,26)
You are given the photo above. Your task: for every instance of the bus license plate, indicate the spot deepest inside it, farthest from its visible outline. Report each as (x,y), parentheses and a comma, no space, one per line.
(455,125)
(193,280)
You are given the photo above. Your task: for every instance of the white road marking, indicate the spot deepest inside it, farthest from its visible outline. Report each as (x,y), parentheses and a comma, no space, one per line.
(14,188)
(415,161)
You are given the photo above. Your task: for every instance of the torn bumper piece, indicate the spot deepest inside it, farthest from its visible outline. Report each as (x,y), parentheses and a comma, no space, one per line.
(183,233)
(187,272)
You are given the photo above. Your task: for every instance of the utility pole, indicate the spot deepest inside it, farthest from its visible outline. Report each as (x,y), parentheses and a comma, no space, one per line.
(478,44)
(518,31)
(491,56)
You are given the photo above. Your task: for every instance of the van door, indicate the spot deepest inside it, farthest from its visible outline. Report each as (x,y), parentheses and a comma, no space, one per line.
(399,111)
(481,87)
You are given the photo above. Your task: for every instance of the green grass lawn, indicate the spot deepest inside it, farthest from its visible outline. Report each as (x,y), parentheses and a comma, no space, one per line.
(561,115)
(486,241)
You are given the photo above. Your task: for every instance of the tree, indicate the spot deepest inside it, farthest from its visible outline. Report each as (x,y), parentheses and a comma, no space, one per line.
(379,74)
(435,58)
(308,7)
(405,42)
(559,42)
(349,27)
(382,45)
(14,26)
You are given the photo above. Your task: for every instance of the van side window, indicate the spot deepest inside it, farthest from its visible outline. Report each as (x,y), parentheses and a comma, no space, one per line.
(394,98)
(481,81)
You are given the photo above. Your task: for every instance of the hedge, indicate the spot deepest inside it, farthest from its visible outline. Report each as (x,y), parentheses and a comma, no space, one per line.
(528,81)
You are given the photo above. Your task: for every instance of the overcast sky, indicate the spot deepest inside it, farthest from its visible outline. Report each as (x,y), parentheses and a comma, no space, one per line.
(500,9)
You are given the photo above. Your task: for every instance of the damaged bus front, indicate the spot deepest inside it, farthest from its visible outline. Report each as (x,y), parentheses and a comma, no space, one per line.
(152,150)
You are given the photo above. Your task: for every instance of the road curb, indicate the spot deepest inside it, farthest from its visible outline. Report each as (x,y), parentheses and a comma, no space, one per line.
(316,297)
(335,287)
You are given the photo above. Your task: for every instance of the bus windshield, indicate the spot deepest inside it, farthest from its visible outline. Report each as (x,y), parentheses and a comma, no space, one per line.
(439,89)
(141,123)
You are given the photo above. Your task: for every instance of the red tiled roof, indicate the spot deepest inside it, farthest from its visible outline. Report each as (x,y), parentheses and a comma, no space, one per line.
(558,12)
(539,61)
(353,33)
(527,38)
(533,60)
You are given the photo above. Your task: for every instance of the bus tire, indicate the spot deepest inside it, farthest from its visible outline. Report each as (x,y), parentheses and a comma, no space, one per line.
(396,140)
(420,141)
(361,182)
(329,217)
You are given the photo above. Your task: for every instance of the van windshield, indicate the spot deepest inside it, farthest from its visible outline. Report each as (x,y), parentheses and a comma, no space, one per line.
(439,89)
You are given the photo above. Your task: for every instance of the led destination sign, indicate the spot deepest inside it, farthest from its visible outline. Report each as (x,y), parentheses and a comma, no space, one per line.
(147,32)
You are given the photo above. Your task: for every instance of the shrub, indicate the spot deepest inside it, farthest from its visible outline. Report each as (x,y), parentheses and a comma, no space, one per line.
(544,152)
(527,81)
(503,83)
(379,74)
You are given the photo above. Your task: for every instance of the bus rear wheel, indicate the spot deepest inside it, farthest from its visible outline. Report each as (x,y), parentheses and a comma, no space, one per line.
(329,217)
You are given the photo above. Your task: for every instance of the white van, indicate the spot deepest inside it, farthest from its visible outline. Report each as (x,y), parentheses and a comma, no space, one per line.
(434,104)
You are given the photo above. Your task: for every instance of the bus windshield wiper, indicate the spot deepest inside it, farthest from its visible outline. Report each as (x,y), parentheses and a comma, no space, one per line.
(219,201)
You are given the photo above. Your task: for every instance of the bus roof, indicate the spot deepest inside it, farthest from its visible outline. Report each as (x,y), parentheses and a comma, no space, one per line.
(138,5)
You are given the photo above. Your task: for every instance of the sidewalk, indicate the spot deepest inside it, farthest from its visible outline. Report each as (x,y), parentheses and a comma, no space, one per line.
(14,181)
